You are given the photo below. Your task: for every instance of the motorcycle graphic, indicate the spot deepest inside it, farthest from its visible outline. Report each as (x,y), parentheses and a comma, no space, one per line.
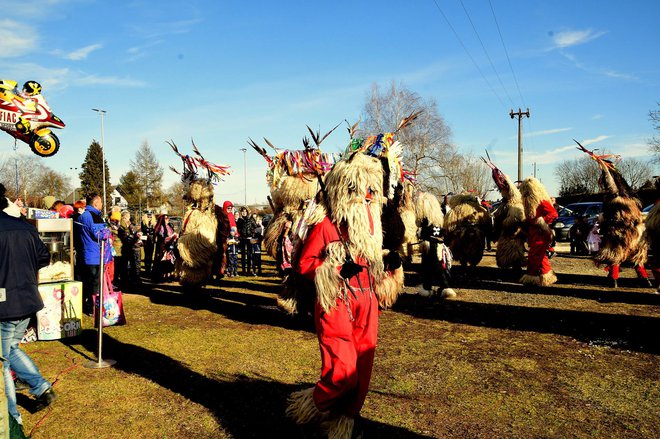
(26,116)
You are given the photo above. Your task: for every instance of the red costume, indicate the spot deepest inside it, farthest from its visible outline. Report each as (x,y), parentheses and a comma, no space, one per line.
(347,334)
(539,239)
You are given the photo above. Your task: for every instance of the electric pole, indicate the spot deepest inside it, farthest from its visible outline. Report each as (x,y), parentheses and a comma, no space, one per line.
(534,169)
(519,114)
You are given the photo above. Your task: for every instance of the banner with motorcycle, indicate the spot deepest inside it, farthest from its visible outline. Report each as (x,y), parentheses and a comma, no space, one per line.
(26,116)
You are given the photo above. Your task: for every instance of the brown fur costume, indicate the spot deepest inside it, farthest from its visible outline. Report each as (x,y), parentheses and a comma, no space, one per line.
(205,228)
(622,226)
(652,223)
(466,225)
(508,222)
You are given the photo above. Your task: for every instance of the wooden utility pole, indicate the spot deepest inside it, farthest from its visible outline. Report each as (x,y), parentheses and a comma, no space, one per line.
(519,114)
(534,169)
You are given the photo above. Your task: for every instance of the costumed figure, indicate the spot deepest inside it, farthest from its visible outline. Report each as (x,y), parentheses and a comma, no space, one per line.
(436,257)
(539,213)
(397,192)
(343,257)
(466,227)
(622,227)
(652,223)
(203,237)
(294,178)
(508,221)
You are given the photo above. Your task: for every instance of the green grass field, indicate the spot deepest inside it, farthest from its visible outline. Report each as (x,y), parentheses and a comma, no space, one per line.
(573,360)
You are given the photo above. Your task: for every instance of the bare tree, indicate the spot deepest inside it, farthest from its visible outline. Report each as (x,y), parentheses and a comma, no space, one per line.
(654,142)
(50,182)
(174,195)
(428,140)
(577,176)
(580,176)
(636,172)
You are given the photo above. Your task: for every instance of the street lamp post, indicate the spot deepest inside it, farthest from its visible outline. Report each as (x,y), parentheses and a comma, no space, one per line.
(244,177)
(74,185)
(105,201)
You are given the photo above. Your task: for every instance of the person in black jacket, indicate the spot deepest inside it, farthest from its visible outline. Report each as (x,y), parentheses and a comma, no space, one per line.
(22,255)
(246,226)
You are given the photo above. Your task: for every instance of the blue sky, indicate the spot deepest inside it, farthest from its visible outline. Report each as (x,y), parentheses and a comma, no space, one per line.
(221,72)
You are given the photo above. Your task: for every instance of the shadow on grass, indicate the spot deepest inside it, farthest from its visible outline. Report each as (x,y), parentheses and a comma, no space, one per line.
(581,286)
(243,306)
(637,333)
(245,407)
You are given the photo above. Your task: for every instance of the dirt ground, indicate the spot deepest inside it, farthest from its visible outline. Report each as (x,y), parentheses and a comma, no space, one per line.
(573,360)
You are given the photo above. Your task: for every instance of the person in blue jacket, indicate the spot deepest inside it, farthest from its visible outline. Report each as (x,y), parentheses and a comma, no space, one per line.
(22,254)
(88,231)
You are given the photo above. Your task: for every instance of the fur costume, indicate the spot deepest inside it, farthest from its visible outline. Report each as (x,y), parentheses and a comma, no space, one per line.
(508,222)
(348,224)
(466,227)
(539,214)
(294,181)
(436,260)
(205,226)
(409,217)
(622,227)
(652,223)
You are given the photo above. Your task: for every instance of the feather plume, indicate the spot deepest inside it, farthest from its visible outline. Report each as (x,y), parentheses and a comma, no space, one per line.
(270,144)
(408,120)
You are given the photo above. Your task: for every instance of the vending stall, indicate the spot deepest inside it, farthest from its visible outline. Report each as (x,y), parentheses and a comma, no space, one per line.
(62,313)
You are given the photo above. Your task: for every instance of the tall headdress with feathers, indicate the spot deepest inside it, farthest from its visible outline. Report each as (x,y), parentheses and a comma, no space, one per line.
(193,165)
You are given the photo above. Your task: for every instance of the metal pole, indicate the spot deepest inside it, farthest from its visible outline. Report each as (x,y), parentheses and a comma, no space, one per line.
(519,114)
(244,177)
(74,186)
(100,363)
(16,165)
(105,201)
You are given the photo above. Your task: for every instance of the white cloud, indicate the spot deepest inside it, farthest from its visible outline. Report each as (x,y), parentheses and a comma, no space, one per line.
(17,39)
(543,133)
(597,116)
(83,52)
(570,38)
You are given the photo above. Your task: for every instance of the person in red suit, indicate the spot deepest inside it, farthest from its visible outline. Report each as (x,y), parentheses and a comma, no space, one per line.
(539,214)
(343,256)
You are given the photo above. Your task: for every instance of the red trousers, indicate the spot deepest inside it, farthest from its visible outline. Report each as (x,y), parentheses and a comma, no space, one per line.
(347,339)
(613,271)
(537,260)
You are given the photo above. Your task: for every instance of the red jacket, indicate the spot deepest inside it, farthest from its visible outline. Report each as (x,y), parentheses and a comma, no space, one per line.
(313,253)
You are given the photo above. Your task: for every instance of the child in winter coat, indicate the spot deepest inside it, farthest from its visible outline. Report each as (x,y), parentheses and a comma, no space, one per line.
(232,254)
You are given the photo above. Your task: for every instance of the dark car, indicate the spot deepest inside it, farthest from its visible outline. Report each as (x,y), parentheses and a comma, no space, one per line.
(568,215)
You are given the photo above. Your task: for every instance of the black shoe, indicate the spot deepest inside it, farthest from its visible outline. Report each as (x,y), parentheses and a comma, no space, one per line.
(46,399)
(19,385)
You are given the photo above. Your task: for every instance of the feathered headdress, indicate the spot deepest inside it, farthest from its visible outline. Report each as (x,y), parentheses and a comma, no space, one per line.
(611,179)
(191,166)
(306,164)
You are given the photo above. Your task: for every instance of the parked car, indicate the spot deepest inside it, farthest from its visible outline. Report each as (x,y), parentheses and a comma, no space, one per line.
(647,209)
(568,215)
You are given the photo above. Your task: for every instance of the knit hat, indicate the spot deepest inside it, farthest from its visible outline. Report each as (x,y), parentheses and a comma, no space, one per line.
(115,216)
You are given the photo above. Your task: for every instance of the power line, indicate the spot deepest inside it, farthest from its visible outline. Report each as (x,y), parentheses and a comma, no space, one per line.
(486,53)
(468,54)
(507,53)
